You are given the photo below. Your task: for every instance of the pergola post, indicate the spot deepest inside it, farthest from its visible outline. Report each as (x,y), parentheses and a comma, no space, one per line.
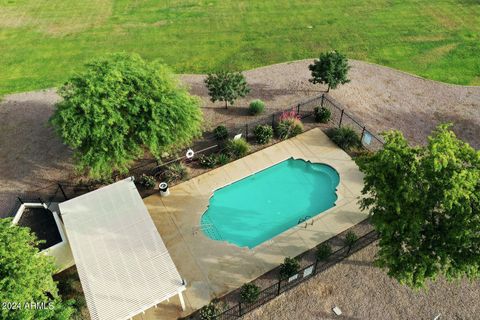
(182,302)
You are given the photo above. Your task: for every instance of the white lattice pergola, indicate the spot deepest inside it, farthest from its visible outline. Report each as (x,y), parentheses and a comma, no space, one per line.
(123,264)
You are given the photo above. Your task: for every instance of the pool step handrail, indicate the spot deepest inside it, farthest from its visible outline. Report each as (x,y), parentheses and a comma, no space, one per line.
(304,219)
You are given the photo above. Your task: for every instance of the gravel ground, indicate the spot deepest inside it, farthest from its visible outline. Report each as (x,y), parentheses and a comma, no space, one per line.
(362,291)
(32,157)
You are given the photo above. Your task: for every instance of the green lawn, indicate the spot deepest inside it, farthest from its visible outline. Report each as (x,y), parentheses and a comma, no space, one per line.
(43,41)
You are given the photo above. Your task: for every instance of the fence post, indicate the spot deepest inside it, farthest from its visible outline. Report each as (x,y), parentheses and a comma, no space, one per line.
(315,266)
(323,97)
(341,118)
(278,289)
(20,200)
(363,133)
(273,120)
(240,309)
(298,108)
(246,131)
(63,191)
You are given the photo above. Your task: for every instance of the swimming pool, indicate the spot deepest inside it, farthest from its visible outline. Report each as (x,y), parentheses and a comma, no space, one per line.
(263,205)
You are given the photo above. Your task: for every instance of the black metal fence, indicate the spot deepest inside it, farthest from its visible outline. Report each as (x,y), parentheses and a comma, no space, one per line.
(281,286)
(208,144)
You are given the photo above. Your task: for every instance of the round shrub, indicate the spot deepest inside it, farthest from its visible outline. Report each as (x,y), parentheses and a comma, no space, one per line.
(175,172)
(237,148)
(222,159)
(345,137)
(249,293)
(263,134)
(322,114)
(209,312)
(324,251)
(148,182)
(256,107)
(207,161)
(288,128)
(221,133)
(289,267)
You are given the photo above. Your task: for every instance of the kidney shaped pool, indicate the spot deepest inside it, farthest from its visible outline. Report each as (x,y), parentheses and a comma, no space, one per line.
(263,205)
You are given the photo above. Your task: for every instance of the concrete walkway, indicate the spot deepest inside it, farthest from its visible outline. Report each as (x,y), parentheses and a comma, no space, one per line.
(213,268)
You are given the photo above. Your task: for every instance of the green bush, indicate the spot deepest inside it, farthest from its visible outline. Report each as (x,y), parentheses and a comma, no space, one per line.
(237,148)
(350,239)
(223,159)
(221,133)
(263,134)
(249,293)
(289,125)
(289,128)
(209,311)
(322,114)
(207,161)
(148,182)
(324,251)
(289,267)
(256,107)
(176,172)
(345,137)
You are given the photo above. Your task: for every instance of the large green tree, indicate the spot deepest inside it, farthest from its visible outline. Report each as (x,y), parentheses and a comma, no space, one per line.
(425,205)
(120,106)
(27,289)
(226,86)
(330,69)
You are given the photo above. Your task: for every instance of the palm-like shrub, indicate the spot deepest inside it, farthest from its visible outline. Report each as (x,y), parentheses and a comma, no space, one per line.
(222,159)
(263,134)
(322,114)
(345,137)
(176,172)
(256,107)
(249,292)
(289,125)
(221,133)
(237,148)
(289,267)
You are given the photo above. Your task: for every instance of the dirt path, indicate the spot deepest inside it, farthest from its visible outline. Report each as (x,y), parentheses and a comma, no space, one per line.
(32,156)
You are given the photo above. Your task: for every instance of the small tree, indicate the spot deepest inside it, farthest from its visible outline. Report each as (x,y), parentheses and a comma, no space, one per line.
(120,106)
(289,267)
(249,292)
(324,251)
(226,86)
(425,205)
(26,277)
(331,69)
(350,240)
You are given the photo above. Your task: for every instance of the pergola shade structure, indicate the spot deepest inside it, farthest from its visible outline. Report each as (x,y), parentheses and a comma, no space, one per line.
(123,264)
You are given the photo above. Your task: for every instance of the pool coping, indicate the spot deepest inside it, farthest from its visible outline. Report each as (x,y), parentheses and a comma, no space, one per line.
(310,220)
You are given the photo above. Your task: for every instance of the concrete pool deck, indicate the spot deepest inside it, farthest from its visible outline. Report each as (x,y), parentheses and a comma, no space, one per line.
(213,268)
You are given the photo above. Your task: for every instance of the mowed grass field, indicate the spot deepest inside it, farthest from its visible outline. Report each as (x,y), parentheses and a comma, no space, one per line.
(42,42)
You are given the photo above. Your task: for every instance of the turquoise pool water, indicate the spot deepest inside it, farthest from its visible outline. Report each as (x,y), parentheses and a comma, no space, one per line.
(263,205)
